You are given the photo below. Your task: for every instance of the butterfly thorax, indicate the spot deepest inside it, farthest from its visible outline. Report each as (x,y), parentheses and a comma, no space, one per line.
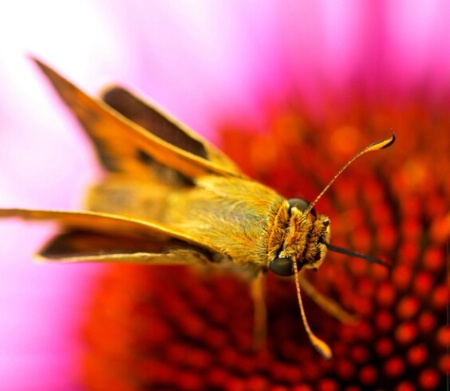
(225,214)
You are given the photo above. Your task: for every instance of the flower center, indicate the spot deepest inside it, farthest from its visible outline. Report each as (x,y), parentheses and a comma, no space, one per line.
(178,328)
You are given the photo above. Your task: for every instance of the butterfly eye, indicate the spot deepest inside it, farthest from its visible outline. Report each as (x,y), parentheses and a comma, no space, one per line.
(300,204)
(282,266)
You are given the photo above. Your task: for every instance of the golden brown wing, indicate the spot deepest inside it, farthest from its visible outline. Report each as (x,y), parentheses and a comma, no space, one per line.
(91,236)
(124,146)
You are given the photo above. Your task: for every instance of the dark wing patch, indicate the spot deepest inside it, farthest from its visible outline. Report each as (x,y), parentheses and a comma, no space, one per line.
(153,120)
(87,243)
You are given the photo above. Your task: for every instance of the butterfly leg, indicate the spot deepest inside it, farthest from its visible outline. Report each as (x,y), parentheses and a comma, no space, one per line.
(327,304)
(260,313)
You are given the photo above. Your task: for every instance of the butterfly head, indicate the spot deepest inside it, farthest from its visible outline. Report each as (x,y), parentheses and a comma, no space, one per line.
(305,240)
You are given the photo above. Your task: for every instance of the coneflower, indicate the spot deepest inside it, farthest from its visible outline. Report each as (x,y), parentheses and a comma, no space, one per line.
(176,328)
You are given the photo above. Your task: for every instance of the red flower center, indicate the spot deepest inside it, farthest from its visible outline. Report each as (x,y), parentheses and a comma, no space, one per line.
(179,328)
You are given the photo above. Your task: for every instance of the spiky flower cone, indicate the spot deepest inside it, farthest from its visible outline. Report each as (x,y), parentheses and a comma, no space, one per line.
(178,328)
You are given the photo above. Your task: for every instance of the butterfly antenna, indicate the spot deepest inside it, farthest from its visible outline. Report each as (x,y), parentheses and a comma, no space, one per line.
(320,345)
(355,254)
(381,144)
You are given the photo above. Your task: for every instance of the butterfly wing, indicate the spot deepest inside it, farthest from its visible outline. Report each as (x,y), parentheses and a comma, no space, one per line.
(146,155)
(130,147)
(93,236)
